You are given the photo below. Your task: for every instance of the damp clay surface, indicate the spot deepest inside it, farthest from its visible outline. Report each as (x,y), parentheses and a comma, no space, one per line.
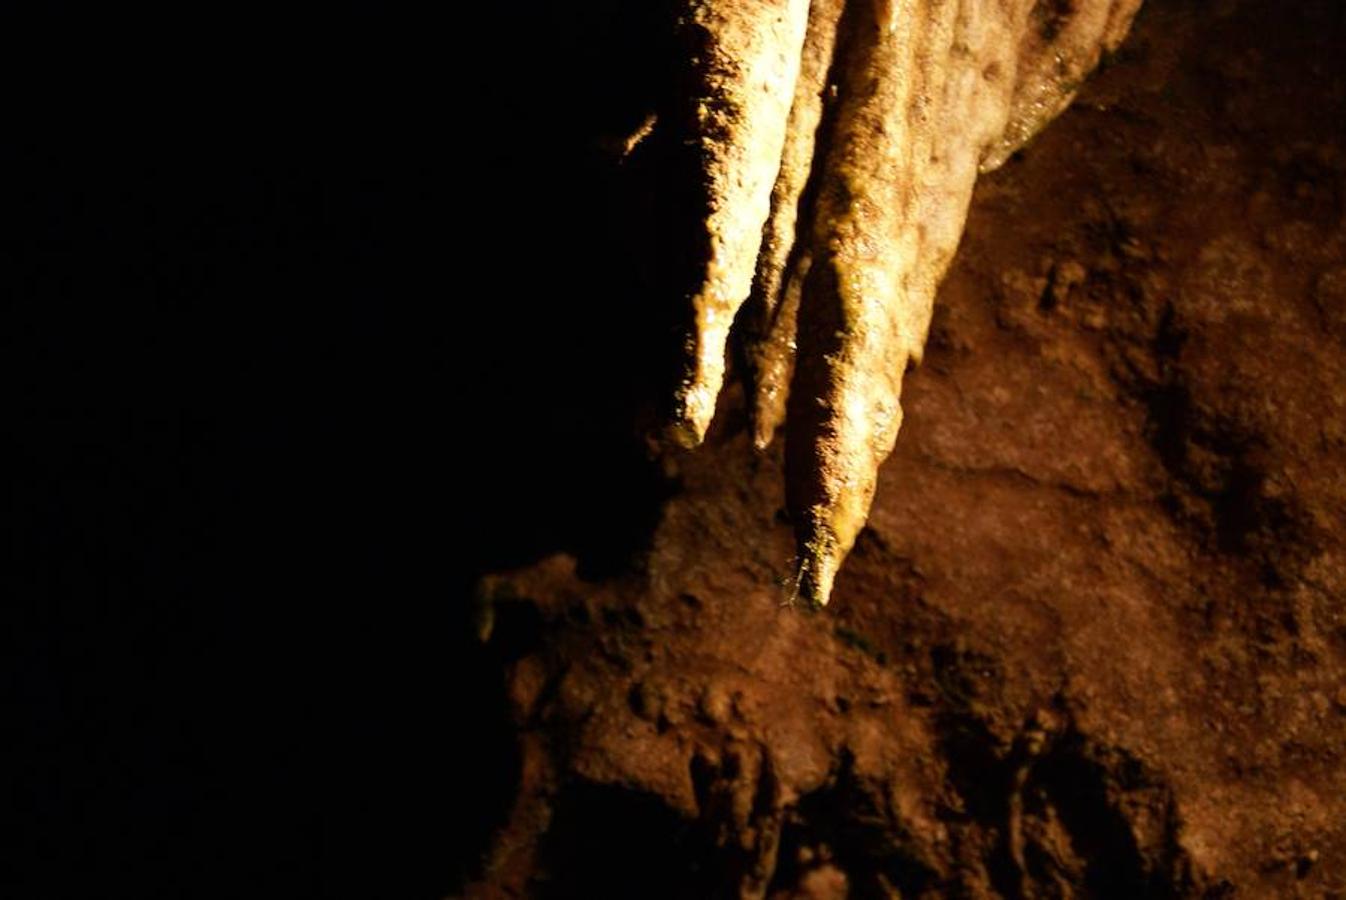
(1092,640)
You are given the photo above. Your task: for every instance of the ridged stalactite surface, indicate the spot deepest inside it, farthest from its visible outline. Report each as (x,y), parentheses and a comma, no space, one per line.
(838,144)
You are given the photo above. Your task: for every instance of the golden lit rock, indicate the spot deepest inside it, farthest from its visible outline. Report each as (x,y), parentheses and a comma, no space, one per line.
(839,144)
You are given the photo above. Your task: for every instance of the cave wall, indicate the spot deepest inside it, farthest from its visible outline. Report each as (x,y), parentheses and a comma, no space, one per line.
(1092,642)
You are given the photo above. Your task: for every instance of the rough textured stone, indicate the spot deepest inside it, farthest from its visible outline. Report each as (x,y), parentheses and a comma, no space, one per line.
(1092,641)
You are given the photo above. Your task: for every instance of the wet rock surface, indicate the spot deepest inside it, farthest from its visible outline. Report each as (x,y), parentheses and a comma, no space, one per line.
(1092,642)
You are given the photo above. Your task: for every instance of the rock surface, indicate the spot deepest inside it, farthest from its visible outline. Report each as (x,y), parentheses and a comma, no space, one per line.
(872,118)
(1092,642)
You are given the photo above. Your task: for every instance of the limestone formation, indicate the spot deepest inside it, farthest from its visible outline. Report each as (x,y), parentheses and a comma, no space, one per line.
(838,145)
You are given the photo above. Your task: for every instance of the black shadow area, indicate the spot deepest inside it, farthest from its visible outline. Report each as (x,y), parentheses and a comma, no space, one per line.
(308,323)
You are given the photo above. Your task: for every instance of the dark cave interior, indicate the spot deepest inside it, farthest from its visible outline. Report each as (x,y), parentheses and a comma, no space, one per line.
(303,342)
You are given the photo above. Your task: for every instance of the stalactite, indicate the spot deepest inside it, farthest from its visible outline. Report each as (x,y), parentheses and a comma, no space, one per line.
(745,62)
(839,142)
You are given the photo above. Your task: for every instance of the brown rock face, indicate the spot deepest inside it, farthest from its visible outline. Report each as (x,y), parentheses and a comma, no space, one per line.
(1092,642)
